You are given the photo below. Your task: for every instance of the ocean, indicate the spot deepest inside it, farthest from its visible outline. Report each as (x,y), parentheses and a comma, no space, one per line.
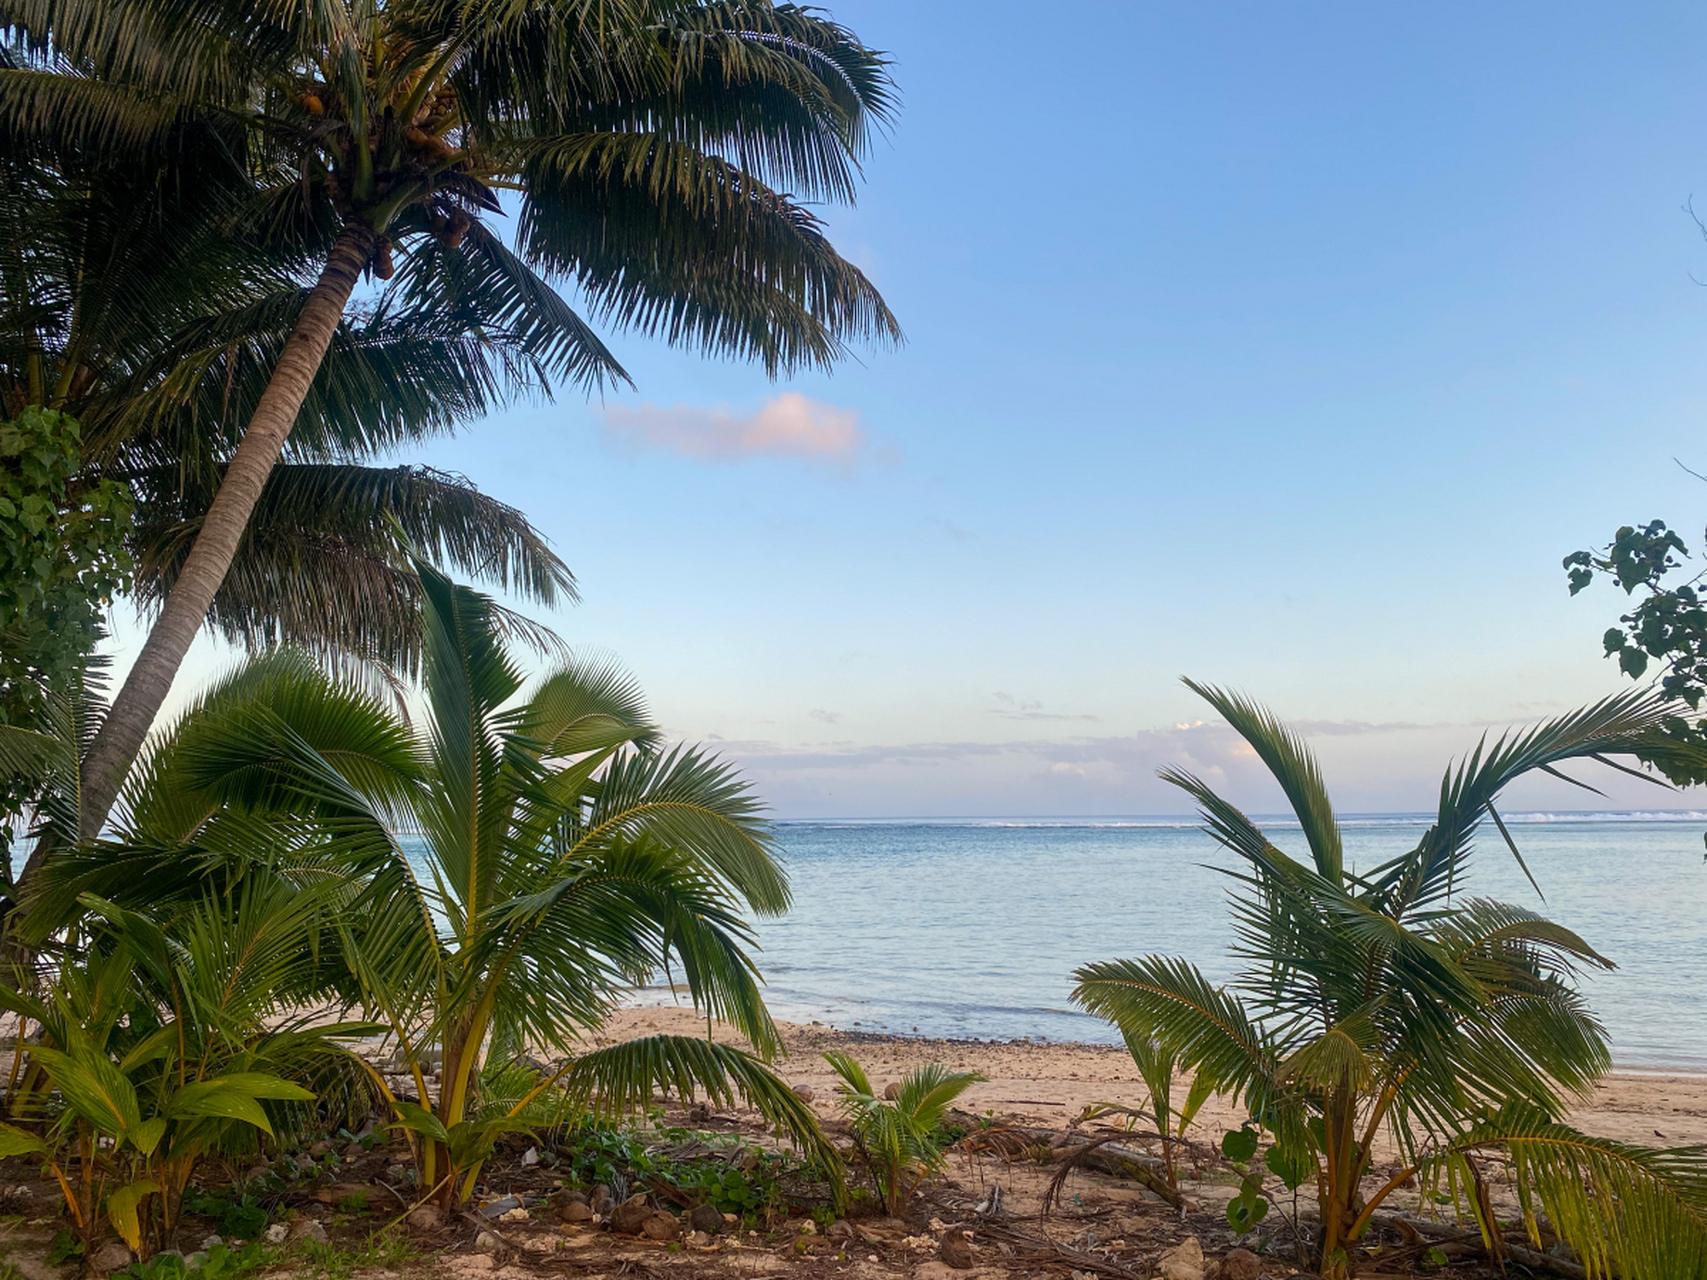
(972,929)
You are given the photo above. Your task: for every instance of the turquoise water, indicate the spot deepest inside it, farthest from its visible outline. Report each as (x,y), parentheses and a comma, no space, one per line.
(972,929)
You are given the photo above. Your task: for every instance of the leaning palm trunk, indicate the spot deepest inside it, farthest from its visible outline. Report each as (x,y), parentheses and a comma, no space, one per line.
(186,606)
(650,144)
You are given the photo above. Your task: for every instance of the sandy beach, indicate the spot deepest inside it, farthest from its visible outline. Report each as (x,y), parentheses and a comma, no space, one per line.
(1052,1083)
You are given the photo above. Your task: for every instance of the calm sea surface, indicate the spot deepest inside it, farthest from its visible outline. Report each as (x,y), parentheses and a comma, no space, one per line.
(972,929)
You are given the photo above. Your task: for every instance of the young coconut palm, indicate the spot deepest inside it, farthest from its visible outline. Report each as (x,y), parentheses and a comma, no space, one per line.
(648,145)
(563,857)
(1387,1002)
(168,1038)
(897,1136)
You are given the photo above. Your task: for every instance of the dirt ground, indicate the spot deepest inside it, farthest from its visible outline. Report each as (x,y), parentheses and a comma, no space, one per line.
(1101,1226)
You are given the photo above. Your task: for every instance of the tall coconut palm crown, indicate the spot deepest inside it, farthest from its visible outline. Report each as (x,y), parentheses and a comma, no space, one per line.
(655,153)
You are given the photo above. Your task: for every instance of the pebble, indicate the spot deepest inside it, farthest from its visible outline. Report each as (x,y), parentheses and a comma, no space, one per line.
(1184,1261)
(631,1215)
(277,1232)
(1240,1264)
(957,1252)
(112,1256)
(307,1229)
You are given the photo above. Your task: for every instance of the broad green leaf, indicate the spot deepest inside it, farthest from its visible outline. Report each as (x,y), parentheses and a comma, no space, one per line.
(16,1142)
(417,1119)
(146,1136)
(94,1088)
(209,1101)
(1239,1145)
(122,1206)
(260,1084)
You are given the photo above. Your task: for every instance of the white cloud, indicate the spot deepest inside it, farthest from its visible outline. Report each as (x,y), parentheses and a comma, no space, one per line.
(790,425)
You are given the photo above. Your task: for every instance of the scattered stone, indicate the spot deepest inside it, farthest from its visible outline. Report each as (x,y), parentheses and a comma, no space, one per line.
(806,1227)
(112,1256)
(696,1240)
(706,1218)
(956,1250)
(320,1150)
(276,1233)
(514,1215)
(196,1261)
(210,1241)
(803,1092)
(488,1242)
(423,1218)
(575,1213)
(530,1157)
(308,1231)
(841,1230)
(602,1202)
(1183,1262)
(1240,1264)
(661,1226)
(631,1215)
(257,1171)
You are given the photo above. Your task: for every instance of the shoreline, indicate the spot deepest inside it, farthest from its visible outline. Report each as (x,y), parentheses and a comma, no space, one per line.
(659,999)
(1053,1081)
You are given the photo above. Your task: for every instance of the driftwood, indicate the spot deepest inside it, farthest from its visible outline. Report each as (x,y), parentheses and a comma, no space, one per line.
(1103,1156)
(1042,1248)
(1447,1232)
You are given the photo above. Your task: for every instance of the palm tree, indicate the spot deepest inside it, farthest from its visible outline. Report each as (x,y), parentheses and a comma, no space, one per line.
(566,856)
(899,1137)
(644,142)
(1386,1001)
(126,302)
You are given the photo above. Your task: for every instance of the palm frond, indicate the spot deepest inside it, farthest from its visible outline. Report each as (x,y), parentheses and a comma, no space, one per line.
(623,1078)
(1294,767)
(1170,1003)
(325,562)
(1625,1210)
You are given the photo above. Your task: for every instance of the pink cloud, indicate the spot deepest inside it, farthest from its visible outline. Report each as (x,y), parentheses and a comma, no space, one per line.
(790,425)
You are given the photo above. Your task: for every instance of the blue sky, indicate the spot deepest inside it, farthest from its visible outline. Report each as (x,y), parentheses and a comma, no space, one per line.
(1288,347)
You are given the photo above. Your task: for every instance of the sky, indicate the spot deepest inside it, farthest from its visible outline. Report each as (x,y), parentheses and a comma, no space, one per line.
(1287,347)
